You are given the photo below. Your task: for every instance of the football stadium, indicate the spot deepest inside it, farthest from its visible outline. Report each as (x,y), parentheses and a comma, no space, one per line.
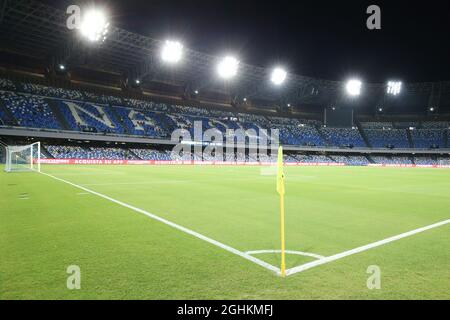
(140,167)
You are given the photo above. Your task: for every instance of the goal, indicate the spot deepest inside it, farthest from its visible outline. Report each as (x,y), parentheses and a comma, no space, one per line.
(23,158)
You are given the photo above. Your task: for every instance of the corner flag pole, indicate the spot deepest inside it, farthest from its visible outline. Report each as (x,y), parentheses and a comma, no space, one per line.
(281,191)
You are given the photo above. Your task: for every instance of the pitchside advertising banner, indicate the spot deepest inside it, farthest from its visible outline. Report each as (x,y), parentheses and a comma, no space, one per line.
(225,163)
(154,162)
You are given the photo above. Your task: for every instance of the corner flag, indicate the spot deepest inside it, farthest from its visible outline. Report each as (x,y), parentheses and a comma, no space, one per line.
(281,191)
(280,172)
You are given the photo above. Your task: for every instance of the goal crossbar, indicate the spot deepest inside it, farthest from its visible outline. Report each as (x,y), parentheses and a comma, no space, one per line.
(23,158)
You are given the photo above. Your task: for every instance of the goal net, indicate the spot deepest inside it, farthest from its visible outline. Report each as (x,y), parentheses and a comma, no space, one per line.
(23,158)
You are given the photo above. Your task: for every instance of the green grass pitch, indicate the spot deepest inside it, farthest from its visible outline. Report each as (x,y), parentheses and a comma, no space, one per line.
(47,225)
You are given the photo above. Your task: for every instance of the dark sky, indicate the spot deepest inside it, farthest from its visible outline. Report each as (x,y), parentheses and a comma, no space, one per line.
(326,39)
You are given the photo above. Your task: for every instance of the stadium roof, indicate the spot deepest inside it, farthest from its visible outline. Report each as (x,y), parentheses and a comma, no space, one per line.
(28,26)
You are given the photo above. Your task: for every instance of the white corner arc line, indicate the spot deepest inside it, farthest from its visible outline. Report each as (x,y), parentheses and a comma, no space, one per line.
(344,254)
(299,253)
(176,226)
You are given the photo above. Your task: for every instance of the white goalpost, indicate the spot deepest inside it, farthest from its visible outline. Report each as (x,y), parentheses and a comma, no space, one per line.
(23,158)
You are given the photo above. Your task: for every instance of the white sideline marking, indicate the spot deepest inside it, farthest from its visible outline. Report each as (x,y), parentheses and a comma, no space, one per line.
(176,226)
(133,183)
(344,254)
(299,253)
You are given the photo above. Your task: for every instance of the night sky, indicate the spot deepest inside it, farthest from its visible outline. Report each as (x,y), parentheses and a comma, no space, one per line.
(324,39)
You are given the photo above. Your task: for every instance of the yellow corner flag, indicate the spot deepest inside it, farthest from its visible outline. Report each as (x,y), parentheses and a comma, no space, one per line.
(280,172)
(281,190)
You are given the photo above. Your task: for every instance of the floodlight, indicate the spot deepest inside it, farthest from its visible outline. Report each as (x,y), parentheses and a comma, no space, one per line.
(431,109)
(196,91)
(172,51)
(289,105)
(228,67)
(380,109)
(62,67)
(354,87)
(138,81)
(94,25)
(245,99)
(394,87)
(278,76)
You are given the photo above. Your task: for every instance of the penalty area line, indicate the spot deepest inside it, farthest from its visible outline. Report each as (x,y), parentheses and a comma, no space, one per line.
(174,225)
(369,246)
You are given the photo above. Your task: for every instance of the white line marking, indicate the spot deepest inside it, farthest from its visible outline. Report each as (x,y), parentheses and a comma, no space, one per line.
(90,173)
(134,183)
(299,253)
(344,254)
(154,182)
(176,226)
(82,193)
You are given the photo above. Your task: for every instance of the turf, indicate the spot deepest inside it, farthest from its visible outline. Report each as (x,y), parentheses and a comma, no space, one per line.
(47,225)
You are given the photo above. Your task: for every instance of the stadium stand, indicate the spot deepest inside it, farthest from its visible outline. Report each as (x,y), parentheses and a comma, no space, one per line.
(428,138)
(29,111)
(41,90)
(392,160)
(33,106)
(7,84)
(86,152)
(149,154)
(423,160)
(377,125)
(75,152)
(350,160)
(386,138)
(436,125)
(343,137)
(303,158)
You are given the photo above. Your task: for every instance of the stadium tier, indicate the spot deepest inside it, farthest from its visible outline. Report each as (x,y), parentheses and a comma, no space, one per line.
(41,107)
(343,137)
(72,152)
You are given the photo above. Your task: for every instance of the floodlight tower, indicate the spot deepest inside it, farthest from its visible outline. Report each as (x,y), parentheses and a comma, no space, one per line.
(278,76)
(94,26)
(228,67)
(390,91)
(353,87)
(394,88)
(172,52)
